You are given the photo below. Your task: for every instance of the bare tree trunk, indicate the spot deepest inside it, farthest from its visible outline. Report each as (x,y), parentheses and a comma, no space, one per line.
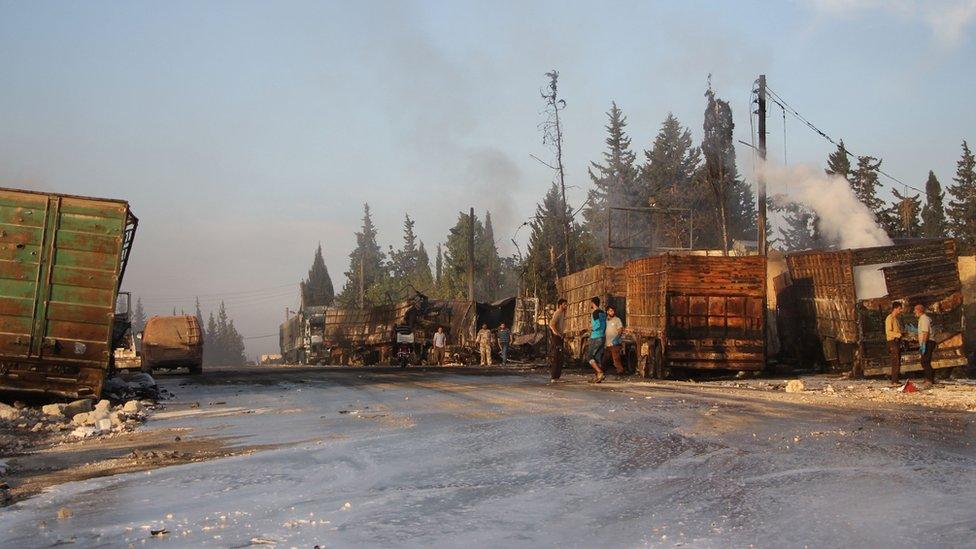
(725,227)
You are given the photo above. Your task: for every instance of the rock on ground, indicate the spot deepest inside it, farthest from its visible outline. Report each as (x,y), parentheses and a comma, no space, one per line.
(794,386)
(77,407)
(8,412)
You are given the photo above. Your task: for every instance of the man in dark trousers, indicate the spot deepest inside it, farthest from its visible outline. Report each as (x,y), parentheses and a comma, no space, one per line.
(557,335)
(893,337)
(926,343)
(598,338)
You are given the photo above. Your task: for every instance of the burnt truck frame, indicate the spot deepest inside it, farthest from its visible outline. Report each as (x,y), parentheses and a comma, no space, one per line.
(62,259)
(847,334)
(697,312)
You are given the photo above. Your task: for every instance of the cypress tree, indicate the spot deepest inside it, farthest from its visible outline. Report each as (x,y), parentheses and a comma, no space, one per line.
(933,214)
(317,289)
(962,207)
(719,171)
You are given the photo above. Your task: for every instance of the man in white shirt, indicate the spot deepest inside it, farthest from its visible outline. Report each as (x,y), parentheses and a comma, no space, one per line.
(440,346)
(615,333)
(926,343)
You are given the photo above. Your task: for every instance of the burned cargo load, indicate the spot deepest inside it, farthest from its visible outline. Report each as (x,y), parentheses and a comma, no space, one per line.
(62,259)
(697,312)
(842,298)
(172,342)
(604,281)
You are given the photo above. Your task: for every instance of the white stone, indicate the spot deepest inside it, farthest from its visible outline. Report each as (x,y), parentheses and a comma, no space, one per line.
(103,405)
(132,407)
(83,432)
(794,386)
(8,412)
(84,418)
(56,410)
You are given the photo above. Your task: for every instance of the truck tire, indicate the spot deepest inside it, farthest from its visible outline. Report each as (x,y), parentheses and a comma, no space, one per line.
(196,369)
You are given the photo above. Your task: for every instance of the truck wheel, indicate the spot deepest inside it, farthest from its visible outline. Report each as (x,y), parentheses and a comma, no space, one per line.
(196,369)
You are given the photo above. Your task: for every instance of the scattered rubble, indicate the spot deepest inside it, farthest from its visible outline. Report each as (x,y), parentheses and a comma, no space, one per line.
(128,398)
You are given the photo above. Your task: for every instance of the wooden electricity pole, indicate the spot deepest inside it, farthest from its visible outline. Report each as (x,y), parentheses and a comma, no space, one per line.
(761,179)
(471,256)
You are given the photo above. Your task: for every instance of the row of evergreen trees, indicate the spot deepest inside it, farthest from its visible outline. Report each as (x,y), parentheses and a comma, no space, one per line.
(395,274)
(222,343)
(906,216)
(673,172)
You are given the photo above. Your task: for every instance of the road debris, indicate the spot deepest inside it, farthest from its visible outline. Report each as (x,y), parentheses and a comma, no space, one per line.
(794,386)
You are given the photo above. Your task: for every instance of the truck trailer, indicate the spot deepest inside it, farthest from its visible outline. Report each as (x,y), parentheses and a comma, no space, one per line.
(62,259)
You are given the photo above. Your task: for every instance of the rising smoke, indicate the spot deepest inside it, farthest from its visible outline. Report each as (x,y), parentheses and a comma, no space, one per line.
(844,221)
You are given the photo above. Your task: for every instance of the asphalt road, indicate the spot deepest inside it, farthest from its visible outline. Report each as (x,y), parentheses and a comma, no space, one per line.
(452,458)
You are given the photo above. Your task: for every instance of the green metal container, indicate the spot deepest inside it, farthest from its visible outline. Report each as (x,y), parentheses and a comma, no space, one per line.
(61,264)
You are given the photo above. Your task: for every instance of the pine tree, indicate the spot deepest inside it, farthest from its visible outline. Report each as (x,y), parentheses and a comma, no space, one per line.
(865,182)
(198,313)
(422,277)
(211,353)
(455,275)
(907,210)
(839,162)
(138,317)
(544,261)
(962,207)
(614,181)
(800,232)
(719,170)
(317,289)
(366,261)
(933,214)
(667,180)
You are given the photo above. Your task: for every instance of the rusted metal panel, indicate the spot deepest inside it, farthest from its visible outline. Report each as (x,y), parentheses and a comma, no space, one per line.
(172,341)
(829,312)
(709,312)
(61,262)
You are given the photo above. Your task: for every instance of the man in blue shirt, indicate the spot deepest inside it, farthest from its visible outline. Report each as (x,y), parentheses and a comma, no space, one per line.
(598,332)
(504,339)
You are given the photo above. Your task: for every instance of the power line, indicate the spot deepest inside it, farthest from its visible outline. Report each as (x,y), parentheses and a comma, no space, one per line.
(786,107)
(260,336)
(217,295)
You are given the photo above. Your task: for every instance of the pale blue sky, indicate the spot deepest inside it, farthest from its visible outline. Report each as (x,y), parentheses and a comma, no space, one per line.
(245,132)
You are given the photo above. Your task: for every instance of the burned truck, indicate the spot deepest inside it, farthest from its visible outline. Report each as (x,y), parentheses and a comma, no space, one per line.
(172,342)
(62,259)
(842,297)
(697,312)
(604,281)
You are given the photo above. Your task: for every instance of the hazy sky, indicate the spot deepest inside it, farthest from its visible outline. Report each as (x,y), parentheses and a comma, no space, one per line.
(243,133)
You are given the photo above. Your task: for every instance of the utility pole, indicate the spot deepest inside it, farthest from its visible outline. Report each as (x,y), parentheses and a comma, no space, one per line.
(761,179)
(471,256)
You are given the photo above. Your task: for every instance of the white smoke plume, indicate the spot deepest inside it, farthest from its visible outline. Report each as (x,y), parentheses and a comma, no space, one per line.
(844,220)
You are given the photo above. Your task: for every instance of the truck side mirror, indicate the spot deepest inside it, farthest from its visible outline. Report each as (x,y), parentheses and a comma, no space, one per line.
(139,336)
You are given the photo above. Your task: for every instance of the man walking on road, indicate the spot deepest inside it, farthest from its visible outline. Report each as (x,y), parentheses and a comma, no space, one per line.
(893,337)
(557,335)
(598,333)
(615,333)
(504,338)
(484,344)
(926,343)
(440,346)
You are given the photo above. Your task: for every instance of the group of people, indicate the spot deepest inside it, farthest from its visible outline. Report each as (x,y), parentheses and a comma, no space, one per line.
(606,333)
(485,338)
(894,336)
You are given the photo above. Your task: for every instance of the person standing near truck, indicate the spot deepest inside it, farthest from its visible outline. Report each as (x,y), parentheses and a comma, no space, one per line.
(598,335)
(615,334)
(557,340)
(926,344)
(893,338)
(504,339)
(440,346)
(484,344)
